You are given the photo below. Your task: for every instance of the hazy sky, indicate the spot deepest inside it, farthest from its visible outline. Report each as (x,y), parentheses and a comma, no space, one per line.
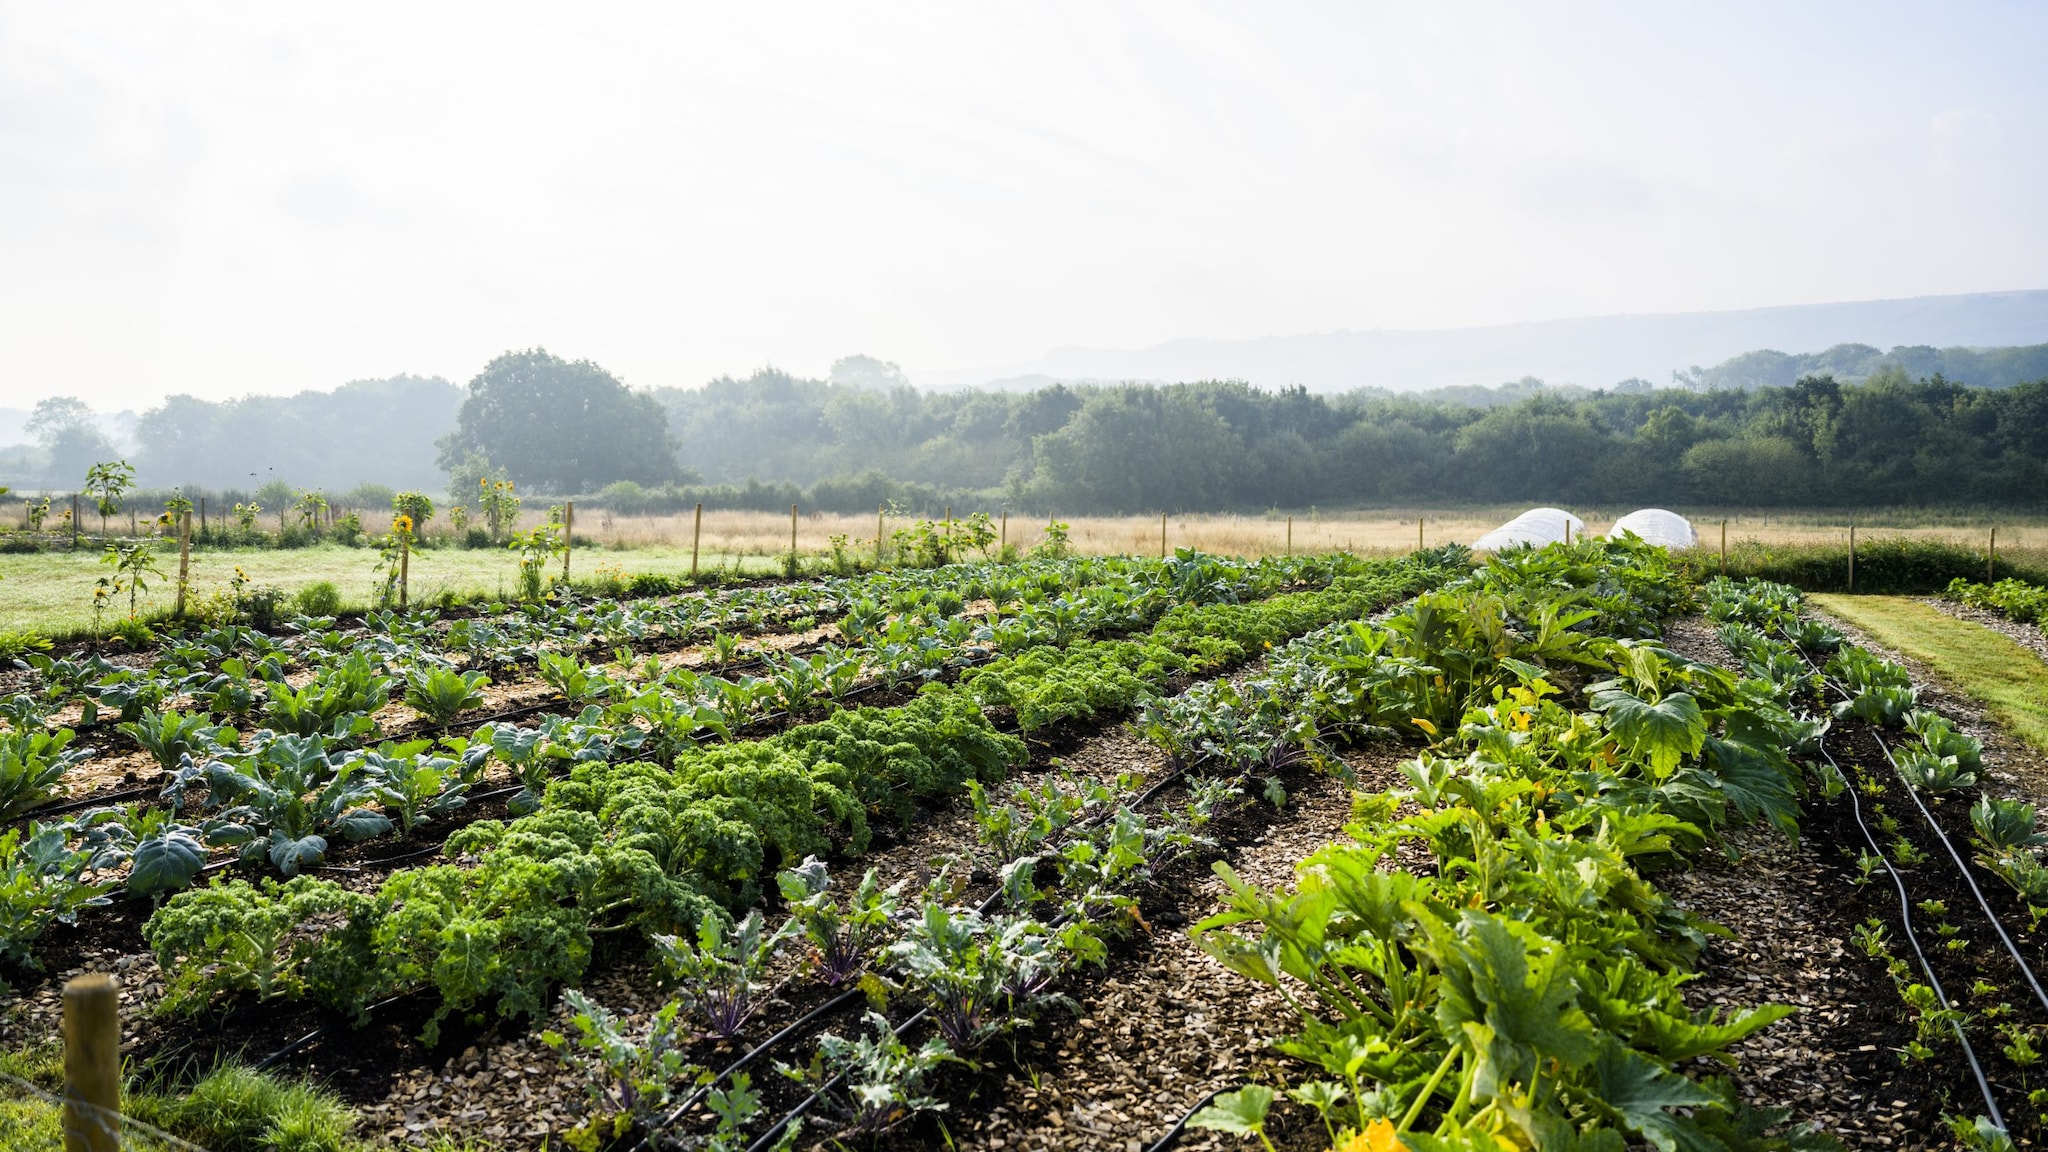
(226,198)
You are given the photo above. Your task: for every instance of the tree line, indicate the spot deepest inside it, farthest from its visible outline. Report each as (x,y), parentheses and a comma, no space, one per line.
(1885,440)
(864,436)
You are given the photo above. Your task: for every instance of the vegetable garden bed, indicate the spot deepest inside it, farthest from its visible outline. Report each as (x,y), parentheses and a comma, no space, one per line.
(1508,801)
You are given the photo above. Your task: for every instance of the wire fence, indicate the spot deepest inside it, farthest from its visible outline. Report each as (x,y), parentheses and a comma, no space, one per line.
(32,1111)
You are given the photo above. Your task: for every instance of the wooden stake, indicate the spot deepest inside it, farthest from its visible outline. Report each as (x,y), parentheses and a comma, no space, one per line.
(568,535)
(1003,540)
(792,538)
(696,536)
(202,515)
(1852,556)
(404,566)
(1724,545)
(880,509)
(1162,535)
(1991,558)
(948,551)
(74,521)
(132,530)
(92,1064)
(184,558)
(1290,535)
(1418,533)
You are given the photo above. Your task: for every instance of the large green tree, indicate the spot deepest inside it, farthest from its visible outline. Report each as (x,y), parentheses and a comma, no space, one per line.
(561,425)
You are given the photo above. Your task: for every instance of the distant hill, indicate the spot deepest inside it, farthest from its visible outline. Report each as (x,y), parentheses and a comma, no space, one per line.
(1594,352)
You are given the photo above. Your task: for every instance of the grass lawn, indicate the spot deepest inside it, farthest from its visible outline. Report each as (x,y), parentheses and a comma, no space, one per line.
(2010,681)
(51,592)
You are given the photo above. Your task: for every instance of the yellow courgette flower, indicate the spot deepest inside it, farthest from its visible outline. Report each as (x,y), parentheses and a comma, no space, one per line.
(1377,1137)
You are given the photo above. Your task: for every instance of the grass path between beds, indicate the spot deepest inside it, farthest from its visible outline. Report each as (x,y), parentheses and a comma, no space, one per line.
(1987,666)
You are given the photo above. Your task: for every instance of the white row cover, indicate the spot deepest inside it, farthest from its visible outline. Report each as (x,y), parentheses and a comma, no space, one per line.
(1656,526)
(1536,527)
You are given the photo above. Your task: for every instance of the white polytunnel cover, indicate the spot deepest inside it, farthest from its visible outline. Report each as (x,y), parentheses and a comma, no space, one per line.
(1536,527)
(1656,526)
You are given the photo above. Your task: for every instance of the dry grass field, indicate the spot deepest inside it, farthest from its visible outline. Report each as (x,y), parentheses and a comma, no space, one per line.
(767,534)
(52,591)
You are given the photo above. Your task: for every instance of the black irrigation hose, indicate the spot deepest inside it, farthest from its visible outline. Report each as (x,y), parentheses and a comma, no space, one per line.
(1906,910)
(84,802)
(1913,938)
(766,1139)
(1962,869)
(323,1030)
(836,1003)
(827,1008)
(1173,1134)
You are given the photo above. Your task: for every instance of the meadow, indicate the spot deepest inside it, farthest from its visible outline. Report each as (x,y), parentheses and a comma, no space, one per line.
(51,591)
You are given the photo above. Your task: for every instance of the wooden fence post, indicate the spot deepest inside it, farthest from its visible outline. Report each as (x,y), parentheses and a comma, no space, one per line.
(792,539)
(92,1064)
(133,531)
(1852,556)
(946,550)
(405,566)
(74,521)
(1162,535)
(1003,540)
(1418,533)
(568,535)
(202,515)
(184,558)
(696,535)
(1290,535)
(880,509)
(1991,558)
(1724,545)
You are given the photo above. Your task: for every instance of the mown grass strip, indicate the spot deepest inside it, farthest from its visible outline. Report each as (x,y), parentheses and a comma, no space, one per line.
(1979,662)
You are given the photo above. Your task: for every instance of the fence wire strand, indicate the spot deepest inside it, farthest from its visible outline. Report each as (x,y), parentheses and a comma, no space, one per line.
(126,1132)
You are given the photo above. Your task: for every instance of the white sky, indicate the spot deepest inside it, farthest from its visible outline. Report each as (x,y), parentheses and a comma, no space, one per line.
(226,198)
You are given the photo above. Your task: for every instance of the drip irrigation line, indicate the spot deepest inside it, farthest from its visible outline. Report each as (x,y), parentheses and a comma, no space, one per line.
(1173,1134)
(835,1004)
(323,1030)
(1962,868)
(676,1114)
(1913,938)
(1906,905)
(85,802)
(766,1140)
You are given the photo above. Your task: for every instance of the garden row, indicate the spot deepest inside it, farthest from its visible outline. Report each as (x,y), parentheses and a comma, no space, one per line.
(1957,928)
(2017,599)
(1524,986)
(280,793)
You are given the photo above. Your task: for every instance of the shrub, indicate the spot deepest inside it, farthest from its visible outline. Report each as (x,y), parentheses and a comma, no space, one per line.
(1894,565)
(320,598)
(18,642)
(134,633)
